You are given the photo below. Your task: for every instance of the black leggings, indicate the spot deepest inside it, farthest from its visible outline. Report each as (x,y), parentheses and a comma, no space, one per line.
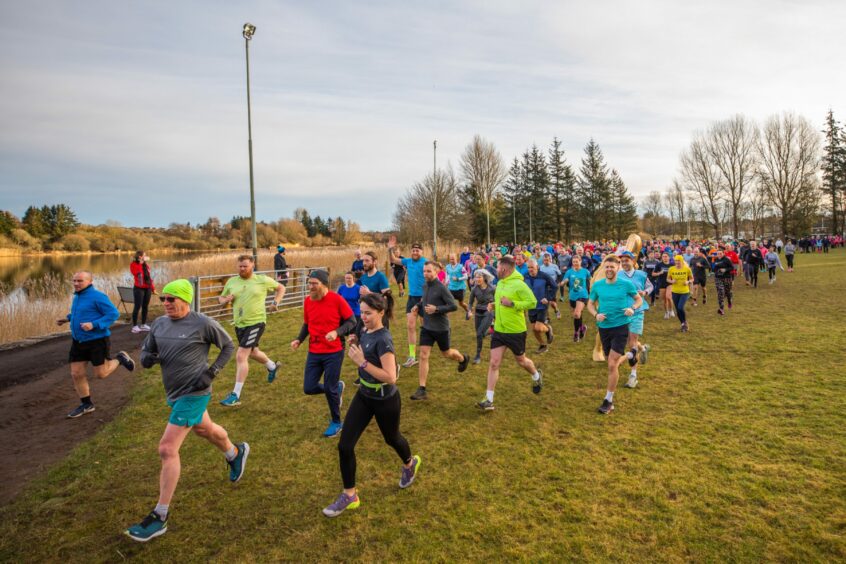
(789,261)
(362,409)
(724,290)
(772,271)
(483,319)
(142,302)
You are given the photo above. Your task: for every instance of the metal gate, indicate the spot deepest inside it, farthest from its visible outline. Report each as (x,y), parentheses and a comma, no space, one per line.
(207,289)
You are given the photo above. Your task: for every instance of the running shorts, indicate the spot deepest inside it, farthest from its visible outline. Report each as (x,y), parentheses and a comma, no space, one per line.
(188,411)
(458,295)
(95,351)
(636,325)
(573,302)
(429,338)
(412,301)
(614,339)
(515,342)
(248,337)
(537,315)
(700,280)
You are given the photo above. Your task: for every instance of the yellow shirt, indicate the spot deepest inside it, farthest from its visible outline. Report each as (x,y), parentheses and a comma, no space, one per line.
(679,276)
(250,304)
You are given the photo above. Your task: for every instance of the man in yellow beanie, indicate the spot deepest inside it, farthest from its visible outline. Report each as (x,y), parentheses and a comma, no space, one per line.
(180,341)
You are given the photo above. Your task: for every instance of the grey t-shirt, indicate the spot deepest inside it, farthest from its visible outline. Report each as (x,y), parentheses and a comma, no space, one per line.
(482,296)
(182,346)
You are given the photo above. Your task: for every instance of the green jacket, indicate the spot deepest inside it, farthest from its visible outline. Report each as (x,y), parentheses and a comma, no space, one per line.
(513,319)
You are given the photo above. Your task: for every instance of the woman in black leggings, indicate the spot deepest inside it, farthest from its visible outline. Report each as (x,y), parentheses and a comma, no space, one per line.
(376,397)
(481,295)
(143,288)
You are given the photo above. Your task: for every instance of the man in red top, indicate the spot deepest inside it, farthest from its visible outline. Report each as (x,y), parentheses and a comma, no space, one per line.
(326,318)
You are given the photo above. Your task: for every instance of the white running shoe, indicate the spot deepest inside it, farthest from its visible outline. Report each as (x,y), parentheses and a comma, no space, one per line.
(632,383)
(145,327)
(136,329)
(672,313)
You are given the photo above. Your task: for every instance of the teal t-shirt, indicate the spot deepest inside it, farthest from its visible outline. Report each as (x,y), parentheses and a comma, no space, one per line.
(577,283)
(613,301)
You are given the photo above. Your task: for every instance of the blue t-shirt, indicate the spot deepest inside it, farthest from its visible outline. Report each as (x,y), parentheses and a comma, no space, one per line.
(454,272)
(351,296)
(523,269)
(638,278)
(577,283)
(613,301)
(375,283)
(414,268)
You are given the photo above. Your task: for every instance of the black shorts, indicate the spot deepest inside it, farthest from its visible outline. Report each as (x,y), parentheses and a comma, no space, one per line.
(574,302)
(614,339)
(95,351)
(429,338)
(399,275)
(700,280)
(515,342)
(248,337)
(457,294)
(537,316)
(412,301)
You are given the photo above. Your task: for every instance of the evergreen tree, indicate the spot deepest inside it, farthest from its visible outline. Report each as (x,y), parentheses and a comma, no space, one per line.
(513,220)
(8,222)
(561,186)
(59,220)
(538,193)
(624,209)
(34,222)
(594,193)
(834,169)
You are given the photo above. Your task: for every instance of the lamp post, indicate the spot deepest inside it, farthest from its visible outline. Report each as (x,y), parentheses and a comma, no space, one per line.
(435,198)
(249,30)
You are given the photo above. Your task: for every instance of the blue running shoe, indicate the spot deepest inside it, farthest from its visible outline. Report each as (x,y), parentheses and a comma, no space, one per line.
(239,463)
(231,400)
(333,430)
(408,474)
(341,504)
(271,374)
(150,527)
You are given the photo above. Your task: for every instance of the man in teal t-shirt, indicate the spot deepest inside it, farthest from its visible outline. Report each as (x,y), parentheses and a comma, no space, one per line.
(613,302)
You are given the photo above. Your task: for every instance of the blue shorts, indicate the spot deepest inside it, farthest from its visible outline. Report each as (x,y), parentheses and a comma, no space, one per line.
(188,411)
(636,324)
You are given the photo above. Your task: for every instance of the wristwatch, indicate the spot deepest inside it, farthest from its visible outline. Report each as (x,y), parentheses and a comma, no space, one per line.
(363,365)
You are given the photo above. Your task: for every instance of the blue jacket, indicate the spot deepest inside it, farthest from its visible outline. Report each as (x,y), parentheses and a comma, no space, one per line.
(541,285)
(92,306)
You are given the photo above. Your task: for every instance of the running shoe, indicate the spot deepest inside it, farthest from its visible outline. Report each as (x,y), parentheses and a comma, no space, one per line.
(271,374)
(150,527)
(410,361)
(537,385)
(576,336)
(136,329)
(542,349)
(632,382)
(145,327)
(582,331)
(239,463)
(704,300)
(633,359)
(465,360)
(81,410)
(666,315)
(672,313)
(606,407)
(477,360)
(695,304)
(684,328)
(720,312)
(644,354)
(557,315)
(341,388)
(125,361)
(333,430)
(549,334)
(408,474)
(485,405)
(467,315)
(231,400)
(341,504)
(420,394)
(729,304)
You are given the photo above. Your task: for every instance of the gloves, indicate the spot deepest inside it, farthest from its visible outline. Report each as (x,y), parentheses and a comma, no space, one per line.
(206,377)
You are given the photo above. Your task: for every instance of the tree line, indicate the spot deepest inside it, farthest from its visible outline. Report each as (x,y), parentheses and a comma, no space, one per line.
(539,197)
(745,179)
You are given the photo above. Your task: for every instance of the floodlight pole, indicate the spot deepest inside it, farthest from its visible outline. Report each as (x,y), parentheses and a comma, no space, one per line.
(249,30)
(435,198)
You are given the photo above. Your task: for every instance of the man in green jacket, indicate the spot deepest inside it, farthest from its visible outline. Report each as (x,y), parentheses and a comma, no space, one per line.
(511,300)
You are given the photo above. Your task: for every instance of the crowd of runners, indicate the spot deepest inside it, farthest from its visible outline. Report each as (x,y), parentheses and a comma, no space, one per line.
(509,291)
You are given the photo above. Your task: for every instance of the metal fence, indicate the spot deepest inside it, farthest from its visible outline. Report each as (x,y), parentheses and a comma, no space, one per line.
(207,289)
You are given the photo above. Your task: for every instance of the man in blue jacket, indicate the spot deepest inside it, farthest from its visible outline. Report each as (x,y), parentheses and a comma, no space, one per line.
(91,315)
(542,287)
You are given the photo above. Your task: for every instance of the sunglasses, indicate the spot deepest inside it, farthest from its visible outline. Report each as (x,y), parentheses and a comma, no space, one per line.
(168,299)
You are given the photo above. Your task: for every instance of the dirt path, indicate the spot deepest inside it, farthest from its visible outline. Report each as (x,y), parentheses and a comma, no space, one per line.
(36,393)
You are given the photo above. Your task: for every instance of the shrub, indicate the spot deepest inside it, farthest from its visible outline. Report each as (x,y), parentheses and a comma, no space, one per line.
(26,240)
(75,243)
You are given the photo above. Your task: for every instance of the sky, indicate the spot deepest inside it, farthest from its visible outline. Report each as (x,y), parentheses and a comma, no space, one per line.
(136,111)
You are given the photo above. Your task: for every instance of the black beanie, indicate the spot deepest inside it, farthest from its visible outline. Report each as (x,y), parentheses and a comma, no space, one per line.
(321,275)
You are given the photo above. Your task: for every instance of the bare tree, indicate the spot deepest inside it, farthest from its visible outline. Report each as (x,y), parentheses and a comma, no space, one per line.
(789,151)
(702,175)
(414,216)
(484,171)
(732,146)
(675,199)
(653,209)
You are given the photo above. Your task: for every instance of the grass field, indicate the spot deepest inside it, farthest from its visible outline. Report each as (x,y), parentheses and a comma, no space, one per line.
(733,448)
